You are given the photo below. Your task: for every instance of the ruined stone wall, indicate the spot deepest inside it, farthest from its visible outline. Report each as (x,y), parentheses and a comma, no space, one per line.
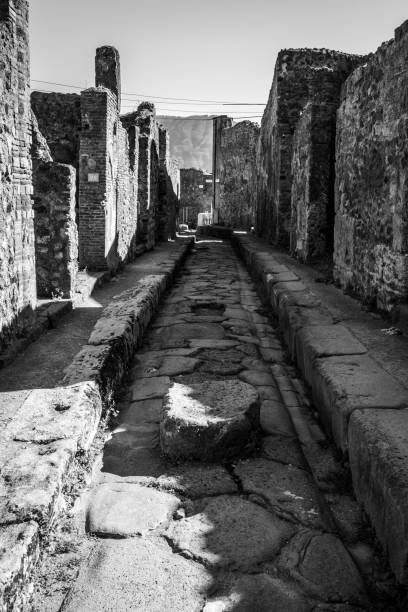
(371,225)
(300,76)
(17,256)
(220,124)
(148,175)
(56,235)
(236,168)
(195,195)
(169,189)
(59,121)
(312,199)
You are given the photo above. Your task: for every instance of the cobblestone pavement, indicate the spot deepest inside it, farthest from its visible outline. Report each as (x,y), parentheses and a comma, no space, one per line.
(274,529)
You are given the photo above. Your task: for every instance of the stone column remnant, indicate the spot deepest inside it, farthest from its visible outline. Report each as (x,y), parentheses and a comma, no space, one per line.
(107,70)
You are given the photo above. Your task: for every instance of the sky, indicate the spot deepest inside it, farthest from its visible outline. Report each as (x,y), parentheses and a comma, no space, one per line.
(211,50)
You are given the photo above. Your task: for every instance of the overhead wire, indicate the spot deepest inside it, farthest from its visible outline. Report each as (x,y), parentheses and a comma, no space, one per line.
(165,98)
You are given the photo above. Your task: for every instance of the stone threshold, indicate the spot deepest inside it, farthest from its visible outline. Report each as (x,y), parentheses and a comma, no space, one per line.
(356,375)
(55,428)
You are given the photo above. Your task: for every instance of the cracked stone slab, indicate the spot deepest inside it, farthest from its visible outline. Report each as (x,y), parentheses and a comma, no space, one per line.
(274,418)
(195,480)
(322,566)
(283,449)
(123,510)
(343,384)
(230,532)
(144,411)
(209,421)
(324,341)
(138,574)
(187,331)
(260,593)
(164,365)
(258,378)
(220,345)
(288,490)
(150,388)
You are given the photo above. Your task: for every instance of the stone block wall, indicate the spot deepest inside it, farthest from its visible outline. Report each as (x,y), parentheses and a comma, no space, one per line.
(196,195)
(371,225)
(17,249)
(312,198)
(56,235)
(301,75)
(236,171)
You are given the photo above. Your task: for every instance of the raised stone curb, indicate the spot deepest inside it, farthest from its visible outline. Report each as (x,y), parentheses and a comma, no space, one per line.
(39,446)
(362,406)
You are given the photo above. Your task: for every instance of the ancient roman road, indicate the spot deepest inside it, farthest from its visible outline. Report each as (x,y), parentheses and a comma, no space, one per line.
(271,530)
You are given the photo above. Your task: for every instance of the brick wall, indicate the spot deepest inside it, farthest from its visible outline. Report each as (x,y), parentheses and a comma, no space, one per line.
(371,227)
(17,257)
(299,74)
(236,171)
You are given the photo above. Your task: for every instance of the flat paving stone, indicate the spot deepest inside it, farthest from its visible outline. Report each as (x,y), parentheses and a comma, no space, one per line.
(119,510)
(320,563)
(230,532)
(274,418)
(257,378)
(144,411)
(165,365)
(196,480)
(288,490)
(283,449)
(150,388)
(185,331)
(138,574)
(209,421)
(215,344)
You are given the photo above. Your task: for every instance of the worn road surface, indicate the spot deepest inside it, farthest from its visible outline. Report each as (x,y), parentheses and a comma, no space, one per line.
(275,529)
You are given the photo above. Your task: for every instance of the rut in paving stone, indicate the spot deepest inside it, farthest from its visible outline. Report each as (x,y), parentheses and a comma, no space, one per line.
(204,500)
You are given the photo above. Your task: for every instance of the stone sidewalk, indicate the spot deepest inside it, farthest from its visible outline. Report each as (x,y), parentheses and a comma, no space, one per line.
(357,373)
(274,529)
(52,398)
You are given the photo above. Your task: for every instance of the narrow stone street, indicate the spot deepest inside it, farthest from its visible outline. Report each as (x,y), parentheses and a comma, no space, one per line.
(267,523)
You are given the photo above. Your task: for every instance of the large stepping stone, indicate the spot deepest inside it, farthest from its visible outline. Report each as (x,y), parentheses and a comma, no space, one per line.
(230,532)
(209,421)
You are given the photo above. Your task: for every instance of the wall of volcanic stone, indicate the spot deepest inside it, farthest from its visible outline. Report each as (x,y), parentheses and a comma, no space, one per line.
(312,198)
(236,171)
(371,226)
(300,76)
(17,250)
(59,121)
(169,189)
